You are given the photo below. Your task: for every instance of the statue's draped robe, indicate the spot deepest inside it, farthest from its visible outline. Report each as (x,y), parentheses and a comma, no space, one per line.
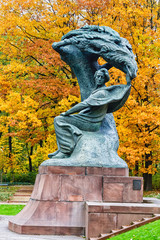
(101,101)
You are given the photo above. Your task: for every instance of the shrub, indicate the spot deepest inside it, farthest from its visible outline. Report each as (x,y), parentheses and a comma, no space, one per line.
(4,196)
(23,178)
(156,181)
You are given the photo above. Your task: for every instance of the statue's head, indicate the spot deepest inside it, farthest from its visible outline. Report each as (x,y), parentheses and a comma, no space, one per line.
(101,77)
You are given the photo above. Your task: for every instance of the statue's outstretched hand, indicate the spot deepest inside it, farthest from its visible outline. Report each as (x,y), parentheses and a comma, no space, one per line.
(76,108)
(63,43)
(64,114)
(130,75)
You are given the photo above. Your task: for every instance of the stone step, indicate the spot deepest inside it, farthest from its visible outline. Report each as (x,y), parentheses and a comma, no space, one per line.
(144,219)
(19,199)
(17,202)
(25,189)
(136,222)
(156,215)
(114,231)
(22,194)
(26,186)
(104,235)
(123,227)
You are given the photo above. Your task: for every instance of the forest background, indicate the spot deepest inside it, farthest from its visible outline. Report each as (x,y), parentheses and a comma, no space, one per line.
(36,85)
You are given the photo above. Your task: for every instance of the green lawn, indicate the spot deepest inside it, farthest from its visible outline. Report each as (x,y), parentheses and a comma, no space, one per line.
(7,209)
(149,231)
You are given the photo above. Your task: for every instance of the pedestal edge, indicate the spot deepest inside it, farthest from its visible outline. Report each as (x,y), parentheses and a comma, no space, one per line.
(71,170)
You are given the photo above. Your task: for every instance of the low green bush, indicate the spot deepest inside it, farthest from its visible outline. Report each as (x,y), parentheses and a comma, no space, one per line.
(4,196)
(23,178)
(11,189)
(7,192)
(156,181)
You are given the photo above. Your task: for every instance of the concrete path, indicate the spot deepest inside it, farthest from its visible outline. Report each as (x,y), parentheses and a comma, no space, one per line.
(6,234)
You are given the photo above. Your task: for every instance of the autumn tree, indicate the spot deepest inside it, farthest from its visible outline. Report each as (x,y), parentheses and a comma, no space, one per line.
(138,122)
(36,85)
(35,82)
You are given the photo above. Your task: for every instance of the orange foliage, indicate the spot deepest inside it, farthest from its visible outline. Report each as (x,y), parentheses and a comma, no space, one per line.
(36,85)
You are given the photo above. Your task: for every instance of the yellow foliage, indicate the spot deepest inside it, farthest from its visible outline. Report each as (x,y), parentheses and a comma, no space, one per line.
(41,153)
(36,85)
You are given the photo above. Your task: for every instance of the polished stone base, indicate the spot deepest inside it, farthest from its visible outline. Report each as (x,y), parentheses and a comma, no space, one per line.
(104,217)
(57,204)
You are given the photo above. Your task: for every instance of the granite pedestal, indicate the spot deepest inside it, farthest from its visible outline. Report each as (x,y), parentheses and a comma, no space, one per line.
(101,218)
(57,204)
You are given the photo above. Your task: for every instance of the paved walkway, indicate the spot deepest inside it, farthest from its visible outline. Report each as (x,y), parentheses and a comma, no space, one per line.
(6,234)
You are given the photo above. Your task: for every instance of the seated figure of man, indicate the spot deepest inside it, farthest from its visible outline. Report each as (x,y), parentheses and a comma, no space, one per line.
(88,114)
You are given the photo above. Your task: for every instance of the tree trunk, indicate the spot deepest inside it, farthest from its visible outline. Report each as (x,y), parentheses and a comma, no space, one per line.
(147,182)
(41,143)
(30,160)
(10,153)
(147,178)
(29,156)
(10,143)
(136,168)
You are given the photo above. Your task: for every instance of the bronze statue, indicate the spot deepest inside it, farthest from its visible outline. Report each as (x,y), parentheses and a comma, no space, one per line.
(88,121)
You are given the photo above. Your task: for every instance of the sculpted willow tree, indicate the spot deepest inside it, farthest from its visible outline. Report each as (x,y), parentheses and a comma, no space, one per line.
(81,50)
(30,67)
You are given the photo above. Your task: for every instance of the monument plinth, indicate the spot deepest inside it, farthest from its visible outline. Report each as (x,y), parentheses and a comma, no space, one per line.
(86,168)
(57,203)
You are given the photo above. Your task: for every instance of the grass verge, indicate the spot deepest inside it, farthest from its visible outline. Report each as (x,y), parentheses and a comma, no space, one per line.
(154,193)
(7,209)
(149,231)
